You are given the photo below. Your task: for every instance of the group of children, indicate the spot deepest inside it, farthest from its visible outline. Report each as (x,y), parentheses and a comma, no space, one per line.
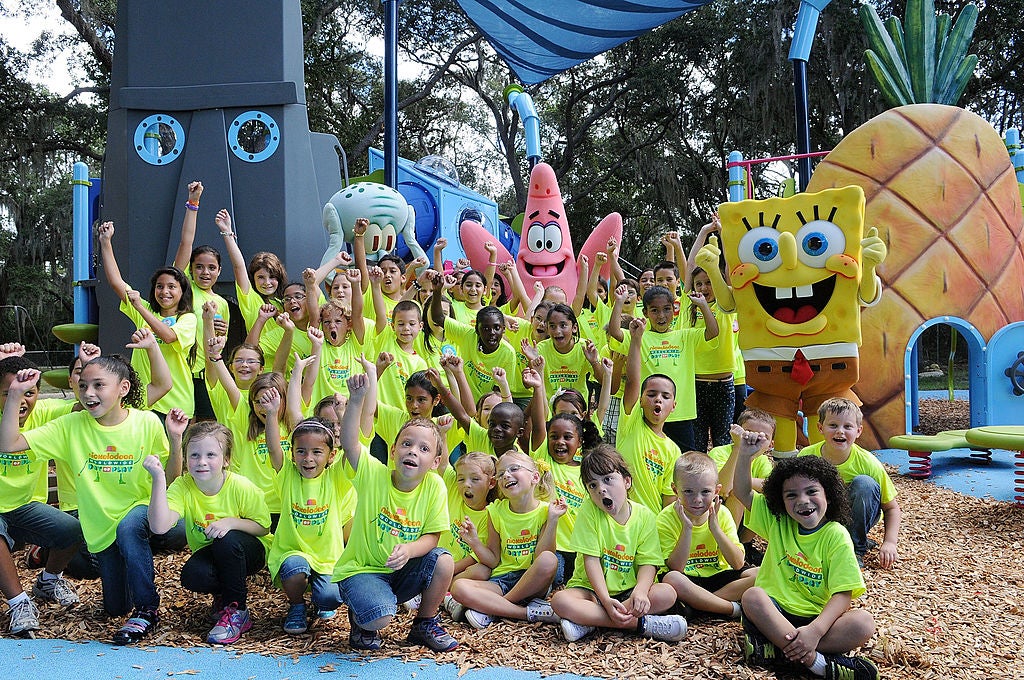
(501,454)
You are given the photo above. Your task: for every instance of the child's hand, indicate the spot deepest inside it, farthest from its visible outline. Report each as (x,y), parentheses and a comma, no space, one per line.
(511,324)
(887,554)
(618,612)
(376,275)
(444,424)
(463,264)
(219,528)
(309,276)
(748,444)
(538,288)
(300,364)
(506,267)
(210,310)
(360,227)
(611,247)
(384,359)
(223,222)
(105,232)
(499,374)
(152,465)
(451,362)
(176,423)
(427,277)
(399,557)
(590,351)
(357,383)
(636,328)
(803,645)
(267,311)
(639,604)
(418,263)
(134,298)
(284,320)
(434,377)
(12,349)
(492,251)
(697,298)
(215,346)
(440,244)
(532,379)
(316,336)
(24,380)
(195,190)
(87,352)
(369,367)
(354,276)
(270,401)
(584,263)
(529,350)
(142,338)
(608,365)
(450,281)
(600,257)
(342,259)
(684,518)
(467,531)
(557,508)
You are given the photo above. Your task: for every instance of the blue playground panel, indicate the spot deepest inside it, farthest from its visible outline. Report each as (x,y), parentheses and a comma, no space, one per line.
(60,660)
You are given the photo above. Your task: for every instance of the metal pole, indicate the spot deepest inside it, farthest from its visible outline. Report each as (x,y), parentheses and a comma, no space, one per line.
(391,93)
(803,125)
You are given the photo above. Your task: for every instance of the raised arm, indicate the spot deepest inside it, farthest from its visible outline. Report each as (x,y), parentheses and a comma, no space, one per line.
(707,259)
(380,310)
(615,318)
(594,280)
(369,408)
(439,245)
(453,368)
(104,234)
(631,393)
(160,382)
(295,401)
(312,290)
(359,250)
(270,402)
(176,423)
(712,227)
(538,411)
(356,305)
(188,226)
(460,414)
(350,446)
(710,321)
(11,439)
(223,222)
(616,275)
(161,517)
(746,444)
(285,348)
(492,266)
(583,267)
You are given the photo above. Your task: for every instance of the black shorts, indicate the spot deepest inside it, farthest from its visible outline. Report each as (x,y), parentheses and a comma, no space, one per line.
(718,581)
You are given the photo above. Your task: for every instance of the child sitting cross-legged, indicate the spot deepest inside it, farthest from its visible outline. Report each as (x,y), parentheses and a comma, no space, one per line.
(799,607)
(617,559)
(699,541)
(401,512)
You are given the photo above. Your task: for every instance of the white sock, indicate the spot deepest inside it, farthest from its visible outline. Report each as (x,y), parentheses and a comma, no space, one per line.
(736,610)
(818,667)
(47,576)
(17,599)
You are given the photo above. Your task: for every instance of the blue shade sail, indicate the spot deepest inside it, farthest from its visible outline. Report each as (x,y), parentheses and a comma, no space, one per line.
(541,38)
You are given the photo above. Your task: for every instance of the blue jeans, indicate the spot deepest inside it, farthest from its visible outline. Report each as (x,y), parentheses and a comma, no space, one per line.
(40,524)
(324,594)
(126,566)
(373,596)
(865,510)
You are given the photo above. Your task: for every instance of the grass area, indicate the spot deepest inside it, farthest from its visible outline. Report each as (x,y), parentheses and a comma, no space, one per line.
(960,380)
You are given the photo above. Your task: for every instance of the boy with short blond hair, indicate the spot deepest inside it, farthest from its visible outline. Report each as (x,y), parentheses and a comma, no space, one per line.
(871,491)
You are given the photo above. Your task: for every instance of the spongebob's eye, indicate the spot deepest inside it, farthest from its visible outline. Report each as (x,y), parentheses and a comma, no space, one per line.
(818,241)
(760,247)
(552,237)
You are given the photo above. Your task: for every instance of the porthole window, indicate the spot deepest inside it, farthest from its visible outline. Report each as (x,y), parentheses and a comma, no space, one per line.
(254,136)
(159,139)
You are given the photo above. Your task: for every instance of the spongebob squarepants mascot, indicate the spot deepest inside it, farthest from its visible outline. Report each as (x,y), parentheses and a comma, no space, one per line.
(799,270)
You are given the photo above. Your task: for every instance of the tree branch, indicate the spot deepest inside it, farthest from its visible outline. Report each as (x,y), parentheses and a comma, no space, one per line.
(86,32)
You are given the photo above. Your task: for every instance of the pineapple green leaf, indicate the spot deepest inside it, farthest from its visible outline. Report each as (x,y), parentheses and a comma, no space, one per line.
(953,53)
(920,45)
(891,88)
(942,22)
(963,74)
(895,28)
(886,56)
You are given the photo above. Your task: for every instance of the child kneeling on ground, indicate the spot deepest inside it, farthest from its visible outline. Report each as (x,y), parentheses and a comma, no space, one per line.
(617,558)
(799,607)
(392,554)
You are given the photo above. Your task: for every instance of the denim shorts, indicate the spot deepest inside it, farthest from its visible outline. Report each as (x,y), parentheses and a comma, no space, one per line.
(371,596)
(324,594)
(508,580)
(40,524)
(566,567)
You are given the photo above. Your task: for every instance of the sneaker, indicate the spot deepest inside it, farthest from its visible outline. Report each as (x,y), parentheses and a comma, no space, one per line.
(359,638)
(540,610)
(429,633)
(55,590)
(325,614)
(413,604)
(759,650)
(838,667)
(295,621)
(573,631)
(141,624)
(24,617)
(233,622)
(670,628)
(477,619)
(455,609)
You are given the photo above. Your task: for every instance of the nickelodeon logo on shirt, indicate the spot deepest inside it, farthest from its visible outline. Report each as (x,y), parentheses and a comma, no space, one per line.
(310,514)
(262,453)
(338,371)
(522,545)
(110,461)
(617,559)
(570,494)
(702,556)
(654,463)
(667,350)
(479,373)
(15,460)
(398,524)
(804,573)
(199,525)
(563,375)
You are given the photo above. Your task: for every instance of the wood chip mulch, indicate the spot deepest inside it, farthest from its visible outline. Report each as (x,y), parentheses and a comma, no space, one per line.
(938,415)
(953,607)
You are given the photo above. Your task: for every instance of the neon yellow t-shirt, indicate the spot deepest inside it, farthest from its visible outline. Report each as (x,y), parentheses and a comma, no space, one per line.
(518,533)
(515,339)
(251,459)
(176,355)
(802,571)
(312,524)
(337,363)
(565,371)
(199,298)
(477,365)
(391,383)
(386,517)
(651,459)
(107,461)
(238,497)
(458,510)
(717,356)
(22,476)
(623,548)
(860,462)
(671,354)
(705,558)
(249,304)
(592,323)
(760,467)
(570,488)
(389,421)
(368,311)
(464,314)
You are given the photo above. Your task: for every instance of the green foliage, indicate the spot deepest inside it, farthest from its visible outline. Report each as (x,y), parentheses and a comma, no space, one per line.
(927,62)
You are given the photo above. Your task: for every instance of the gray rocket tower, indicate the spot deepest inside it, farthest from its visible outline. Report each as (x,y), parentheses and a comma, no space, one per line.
(212,91)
